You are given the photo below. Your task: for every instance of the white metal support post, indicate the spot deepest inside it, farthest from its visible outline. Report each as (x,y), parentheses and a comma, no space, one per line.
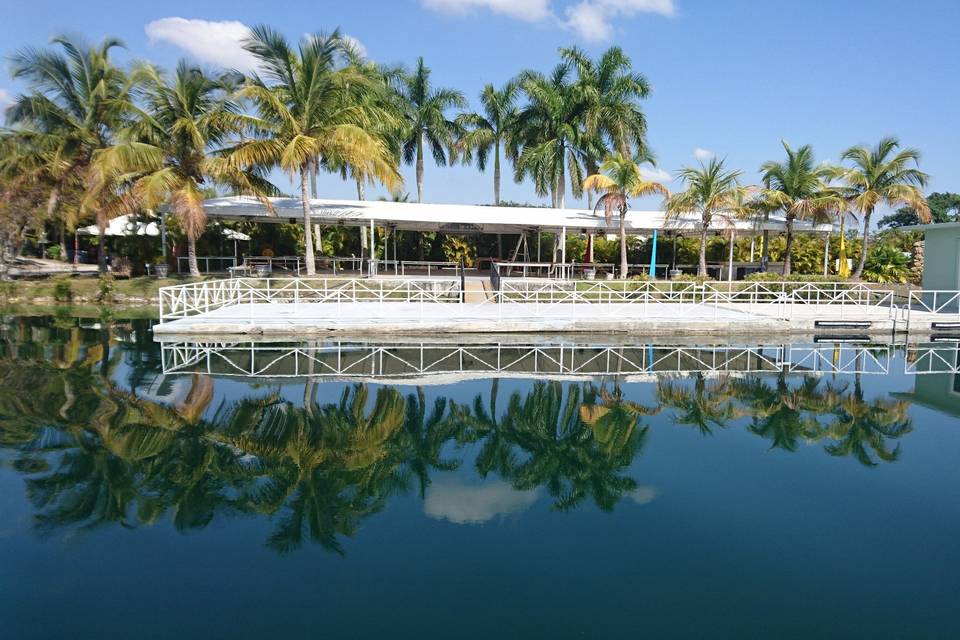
(563,245)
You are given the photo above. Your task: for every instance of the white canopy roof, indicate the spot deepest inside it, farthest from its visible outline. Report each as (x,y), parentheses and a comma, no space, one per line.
(460,218)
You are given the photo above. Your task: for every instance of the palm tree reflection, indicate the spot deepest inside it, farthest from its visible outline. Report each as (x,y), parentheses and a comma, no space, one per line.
(96,451)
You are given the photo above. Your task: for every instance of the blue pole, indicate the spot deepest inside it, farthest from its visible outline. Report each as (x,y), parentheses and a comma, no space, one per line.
(653,257)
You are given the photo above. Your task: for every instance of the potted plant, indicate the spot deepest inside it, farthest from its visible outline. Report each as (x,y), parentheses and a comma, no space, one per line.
(160,268)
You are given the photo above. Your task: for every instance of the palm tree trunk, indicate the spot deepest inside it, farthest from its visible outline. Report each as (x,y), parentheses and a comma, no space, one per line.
(361,192)
(787,263)
(192,256)
(561,186)
(496,173)
(765,255)
(592,169)
(63,242)
(102,246)
(420,168)
(702,268)
(496,192)
(863,245)
(623,244)
(307,226)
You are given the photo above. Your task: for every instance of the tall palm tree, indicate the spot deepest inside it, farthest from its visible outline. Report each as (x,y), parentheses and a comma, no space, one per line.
(551,137)
(491,130)
(621,180)
(170,146)
(426,120)
(711,190)
(76,100)
(887,175)
(797,188)
(610,91)
(312,103)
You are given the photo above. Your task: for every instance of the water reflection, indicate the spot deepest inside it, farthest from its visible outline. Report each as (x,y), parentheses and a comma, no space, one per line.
(102,437)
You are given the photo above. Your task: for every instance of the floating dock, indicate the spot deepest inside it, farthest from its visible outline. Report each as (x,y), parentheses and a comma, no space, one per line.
(320,306)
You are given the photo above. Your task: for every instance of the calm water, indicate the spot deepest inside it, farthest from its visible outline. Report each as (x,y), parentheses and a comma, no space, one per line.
(139,504)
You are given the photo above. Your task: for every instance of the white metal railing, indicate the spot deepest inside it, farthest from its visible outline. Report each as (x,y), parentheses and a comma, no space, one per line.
(412,267)
(936,301)
(179,301)
(536,298)
(379,360)
(207,264)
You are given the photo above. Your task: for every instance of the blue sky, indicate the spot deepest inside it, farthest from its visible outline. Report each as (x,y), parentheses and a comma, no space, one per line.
(730,77)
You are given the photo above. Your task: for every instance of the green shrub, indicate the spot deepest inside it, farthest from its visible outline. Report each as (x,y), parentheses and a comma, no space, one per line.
(459,249)
(53,251)
(7,290)
(770,276)
(689,277)
(105,293)
(62,290)
(886,264)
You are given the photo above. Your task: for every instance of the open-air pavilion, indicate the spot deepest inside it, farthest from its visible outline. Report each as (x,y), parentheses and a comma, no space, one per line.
(523,222)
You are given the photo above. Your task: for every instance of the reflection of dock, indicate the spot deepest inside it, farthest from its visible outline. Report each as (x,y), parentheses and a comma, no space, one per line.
(397,361)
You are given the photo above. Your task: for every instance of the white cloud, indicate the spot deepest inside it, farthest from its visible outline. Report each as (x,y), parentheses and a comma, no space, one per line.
(6,98)
(644,494)
(470,504)
(655,174)
(219,43)
(526,10)
(356,44)
(703,154)
(593,20)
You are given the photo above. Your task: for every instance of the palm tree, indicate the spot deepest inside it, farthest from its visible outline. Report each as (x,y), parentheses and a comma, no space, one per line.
(571,458)
(797,188)
(711,190)
(883,175)
(782,414)
(614,418)
(77,98)
(550,134)
(862,427)
(170,147)
(315,105)
(491,130)
(426,120)
(701,406)
(610,92)
(622,181)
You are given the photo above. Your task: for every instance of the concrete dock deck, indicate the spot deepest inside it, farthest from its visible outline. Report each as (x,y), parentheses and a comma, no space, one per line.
(424,318)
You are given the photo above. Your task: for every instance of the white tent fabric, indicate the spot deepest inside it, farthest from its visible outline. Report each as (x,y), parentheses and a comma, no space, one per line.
(233,234)
(459,218)
(128,226)
(123,227)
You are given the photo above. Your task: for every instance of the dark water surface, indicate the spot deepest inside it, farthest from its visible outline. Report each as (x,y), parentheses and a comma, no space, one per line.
(135,504)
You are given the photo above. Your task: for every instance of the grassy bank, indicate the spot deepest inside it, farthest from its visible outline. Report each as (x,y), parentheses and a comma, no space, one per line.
(86,291)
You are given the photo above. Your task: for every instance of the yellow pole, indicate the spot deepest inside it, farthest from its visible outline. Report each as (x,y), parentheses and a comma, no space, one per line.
(843,269)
